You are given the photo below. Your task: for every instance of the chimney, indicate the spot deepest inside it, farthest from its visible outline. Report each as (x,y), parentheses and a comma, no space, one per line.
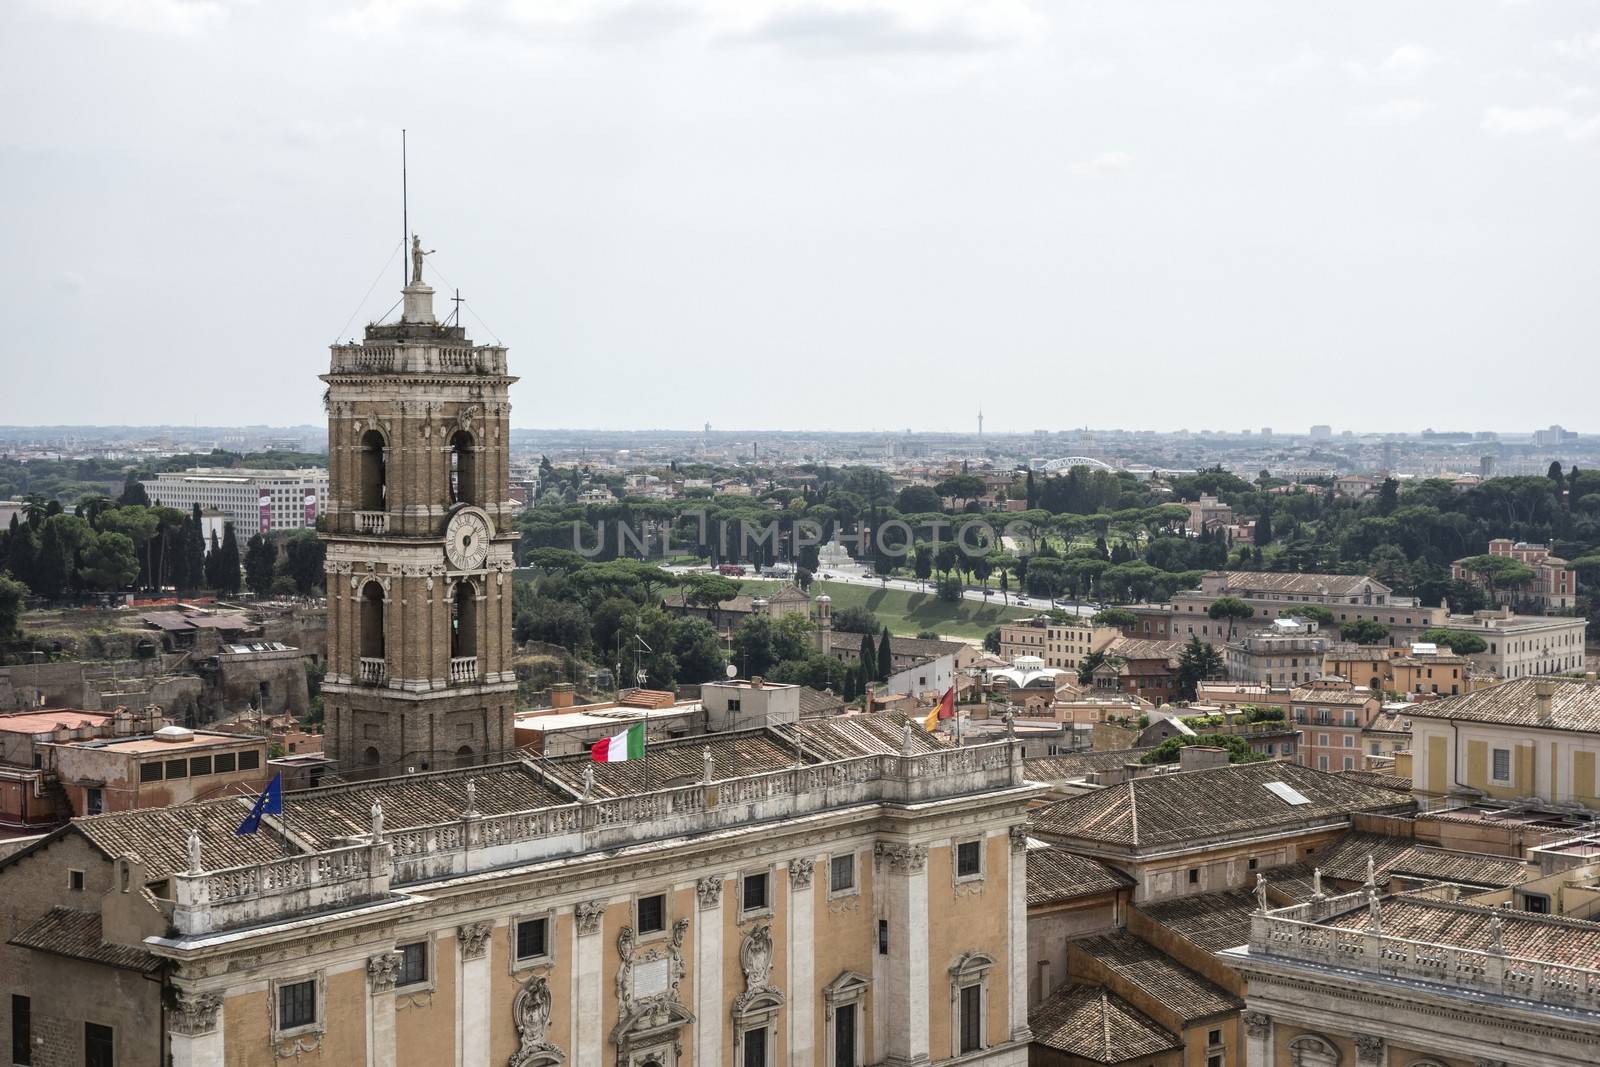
(561,695)
(1544,694)
(1201,757)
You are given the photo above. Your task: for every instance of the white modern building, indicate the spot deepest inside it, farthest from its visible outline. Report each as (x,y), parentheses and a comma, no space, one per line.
(254,501)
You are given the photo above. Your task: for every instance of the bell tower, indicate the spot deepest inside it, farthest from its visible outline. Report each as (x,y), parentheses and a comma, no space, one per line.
(419,538)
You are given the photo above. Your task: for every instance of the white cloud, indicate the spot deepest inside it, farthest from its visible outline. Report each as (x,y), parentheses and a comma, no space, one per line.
(1403,109)
(1581,46)
(1406,63)
(1515,121)
(149,16)
(1104,163)
(906,26)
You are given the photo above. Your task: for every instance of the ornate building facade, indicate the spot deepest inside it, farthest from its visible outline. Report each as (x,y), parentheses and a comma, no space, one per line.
(418,529)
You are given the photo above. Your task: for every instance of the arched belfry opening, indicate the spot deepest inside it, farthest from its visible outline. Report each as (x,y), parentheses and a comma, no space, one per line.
(373,487)
(464,621)
(371,628)
(463,468)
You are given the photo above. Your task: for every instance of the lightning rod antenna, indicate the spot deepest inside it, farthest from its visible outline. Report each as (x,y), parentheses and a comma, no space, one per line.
(405,210)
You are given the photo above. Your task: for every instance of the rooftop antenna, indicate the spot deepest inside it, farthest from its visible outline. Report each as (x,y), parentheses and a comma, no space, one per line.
(405,209)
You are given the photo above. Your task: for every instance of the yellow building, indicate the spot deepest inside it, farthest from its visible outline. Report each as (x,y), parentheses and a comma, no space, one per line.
(752,898)
(1529,737)
(1062,645)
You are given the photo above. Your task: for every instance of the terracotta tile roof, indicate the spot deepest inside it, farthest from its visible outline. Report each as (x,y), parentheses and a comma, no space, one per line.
(1055,874)
(1134,648)
(1535,937)
(815,702)
(1210,921)
(847,736)
(1295,882)
(1575,705)
(77,934)
(1168,982)
(1352,697)
(675,762)
(1346,859)
(1077,764)
(345,810)
(1168,809)
(1094,1024)
(1380,780)
(919,647)
(159,836)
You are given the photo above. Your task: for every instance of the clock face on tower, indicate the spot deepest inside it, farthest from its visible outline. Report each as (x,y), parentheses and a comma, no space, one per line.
(466,540)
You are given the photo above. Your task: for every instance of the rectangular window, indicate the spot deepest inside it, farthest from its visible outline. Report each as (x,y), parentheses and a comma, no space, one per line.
(297,1004)
(225,762)
(755,1047)
(755,892)
(1214,1061)
(652,914)
(177,768)
(199,766)
(75,881)
(99,1048)
(1537,903)
(844,1036)
(1502,765)
(969,859)
(1214,1038)
(533,937)
(971,1018)
(1194,875)
(150,772)
(413,963)
(842,873)
(250,760)
(883,937)
(21,1030)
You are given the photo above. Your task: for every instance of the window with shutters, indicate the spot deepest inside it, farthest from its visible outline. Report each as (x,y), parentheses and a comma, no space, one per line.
(971,1018)
(1502,765)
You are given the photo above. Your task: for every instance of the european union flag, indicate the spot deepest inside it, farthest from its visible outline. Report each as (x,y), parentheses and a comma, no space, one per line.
(270,802)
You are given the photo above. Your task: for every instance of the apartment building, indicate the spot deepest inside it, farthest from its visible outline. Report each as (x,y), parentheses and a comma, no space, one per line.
(1524,645)
(1331,714)
(1554,586)
(1062,645)
(253,501)
(1288,651)
(1277,594)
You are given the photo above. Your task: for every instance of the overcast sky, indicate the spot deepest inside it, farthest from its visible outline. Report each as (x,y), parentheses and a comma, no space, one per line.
(832,214)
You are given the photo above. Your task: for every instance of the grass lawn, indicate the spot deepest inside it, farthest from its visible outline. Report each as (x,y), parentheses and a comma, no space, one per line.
(907,614)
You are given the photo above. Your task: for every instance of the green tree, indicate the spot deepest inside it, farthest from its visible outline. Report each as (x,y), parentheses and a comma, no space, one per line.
(228,572)
(885,656)
(1388,496)
(1364,632)
(991,641)
(133,492)
(194,550)
(753,647)
(917,500)
(108,562)
(813,669)
(1121,618)
(949,589)
(793,637)
(709,592)
(855,620)
(13,596)
(1316,613)
(61,538)
(868,657)
(1461,642)
(1498,572)
(1231,608)
(1264,527)
(1239,750)
(698,650)
(303,558)
(1198,662)
(922,562)
(260,564)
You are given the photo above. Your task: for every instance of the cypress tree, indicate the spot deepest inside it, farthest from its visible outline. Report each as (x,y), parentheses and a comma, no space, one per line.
(885,656)
(1264,527)
(228,563)
(194,550)
(869,658)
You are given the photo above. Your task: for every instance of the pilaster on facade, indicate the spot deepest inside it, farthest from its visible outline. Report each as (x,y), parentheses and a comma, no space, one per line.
(709,919)
(903,881)
(587,951)
(802,962)
(194,1030)
(473,1019)
(1258,1038)
(383,973)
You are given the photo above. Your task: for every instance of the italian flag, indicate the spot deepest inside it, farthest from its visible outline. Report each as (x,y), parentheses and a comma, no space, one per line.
(627,745)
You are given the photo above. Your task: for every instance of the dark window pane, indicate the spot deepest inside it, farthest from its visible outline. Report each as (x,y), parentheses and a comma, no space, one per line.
(844,1036)
(249,761)
(755,892)
(150,772)
(968,859)
(652,914)
(844,874)
(297,1005)
(98,1047)
(199,766)
(531,939)
(971,1018)
(414,963)
(755,1048)
(21,1030)
(177,768)
(225,762)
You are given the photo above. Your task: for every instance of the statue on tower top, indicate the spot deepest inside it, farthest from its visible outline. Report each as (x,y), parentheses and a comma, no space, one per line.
(416,259)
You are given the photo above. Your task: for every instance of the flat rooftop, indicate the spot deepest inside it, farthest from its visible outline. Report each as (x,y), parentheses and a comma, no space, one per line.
(50,719)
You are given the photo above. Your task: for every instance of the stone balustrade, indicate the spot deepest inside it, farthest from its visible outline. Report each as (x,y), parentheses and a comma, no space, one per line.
(476,843)
(207,901)
(372,522)
(418,358)
(1475,970)
(374,670)
(463,669)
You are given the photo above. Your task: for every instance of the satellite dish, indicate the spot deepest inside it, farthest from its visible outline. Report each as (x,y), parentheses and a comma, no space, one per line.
(733,672)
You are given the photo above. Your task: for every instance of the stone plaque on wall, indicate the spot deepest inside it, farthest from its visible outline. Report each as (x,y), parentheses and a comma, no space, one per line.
(650,978)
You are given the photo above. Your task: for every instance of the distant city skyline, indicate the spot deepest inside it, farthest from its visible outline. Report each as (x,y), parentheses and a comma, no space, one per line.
(815,213)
